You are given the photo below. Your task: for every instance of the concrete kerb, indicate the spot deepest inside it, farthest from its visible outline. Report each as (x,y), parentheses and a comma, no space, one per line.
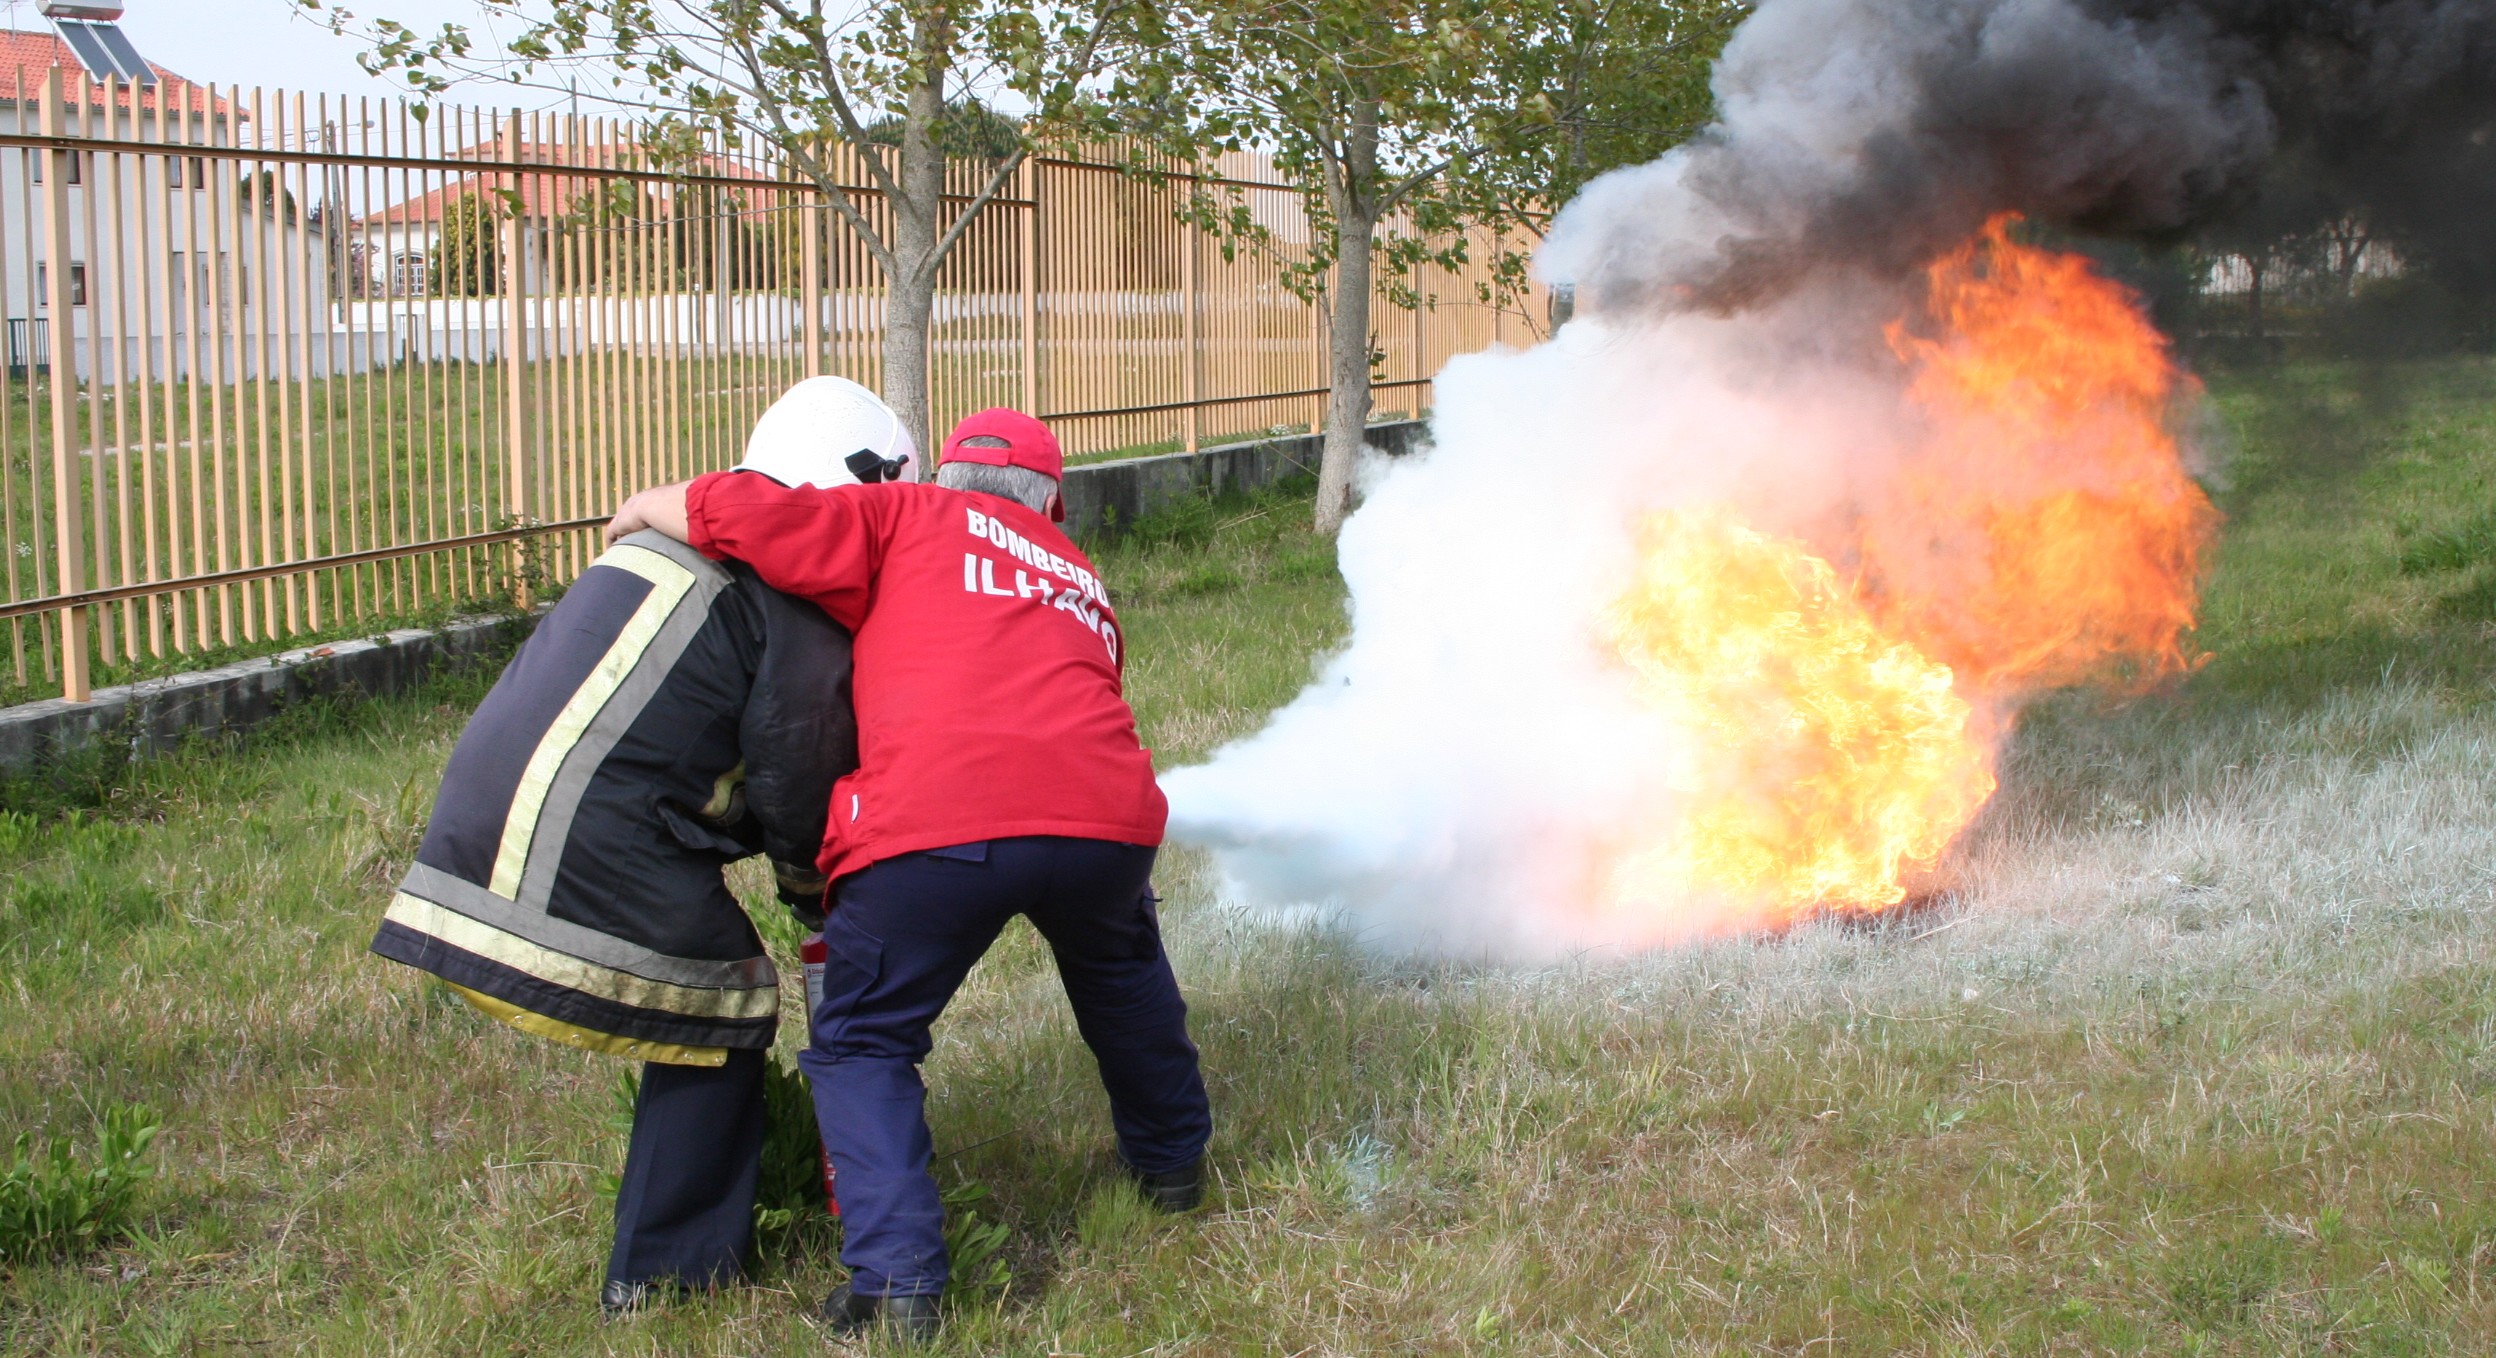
(156,716)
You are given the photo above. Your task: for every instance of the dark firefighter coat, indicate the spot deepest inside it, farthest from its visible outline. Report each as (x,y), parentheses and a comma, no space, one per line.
(671,714)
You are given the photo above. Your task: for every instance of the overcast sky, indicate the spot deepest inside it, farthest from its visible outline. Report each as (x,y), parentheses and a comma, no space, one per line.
(273,44)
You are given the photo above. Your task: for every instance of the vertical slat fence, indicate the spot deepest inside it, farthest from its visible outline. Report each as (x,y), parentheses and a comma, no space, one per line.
(280,366)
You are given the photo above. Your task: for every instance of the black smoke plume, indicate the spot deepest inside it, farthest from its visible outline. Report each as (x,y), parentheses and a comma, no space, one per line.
(1870,135)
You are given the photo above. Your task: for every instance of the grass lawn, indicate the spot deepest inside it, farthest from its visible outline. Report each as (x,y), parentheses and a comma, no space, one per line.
(2200,1057)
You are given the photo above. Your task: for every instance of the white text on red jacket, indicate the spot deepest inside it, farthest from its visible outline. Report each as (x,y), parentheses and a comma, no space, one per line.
(1084,599)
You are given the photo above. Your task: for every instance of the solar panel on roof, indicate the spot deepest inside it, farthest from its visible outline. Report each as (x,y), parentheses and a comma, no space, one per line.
(89,48)
(133,67)
(105,51)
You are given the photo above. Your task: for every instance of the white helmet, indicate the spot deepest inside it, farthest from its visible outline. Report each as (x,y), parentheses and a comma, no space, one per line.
(830,431)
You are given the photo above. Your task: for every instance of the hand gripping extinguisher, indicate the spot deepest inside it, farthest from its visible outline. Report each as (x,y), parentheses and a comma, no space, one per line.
(813,953)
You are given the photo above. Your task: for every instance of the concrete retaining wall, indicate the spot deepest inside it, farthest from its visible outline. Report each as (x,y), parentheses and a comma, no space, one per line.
(157,715)
(1104,494)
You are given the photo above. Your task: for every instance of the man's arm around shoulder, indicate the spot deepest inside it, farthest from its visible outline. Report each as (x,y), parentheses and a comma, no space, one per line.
(660,507)
(818,545)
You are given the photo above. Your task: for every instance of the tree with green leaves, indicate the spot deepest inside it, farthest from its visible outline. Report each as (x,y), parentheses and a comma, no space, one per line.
(887,79)
(1402,122)
(468,249)
(1602,84)
(1366,106)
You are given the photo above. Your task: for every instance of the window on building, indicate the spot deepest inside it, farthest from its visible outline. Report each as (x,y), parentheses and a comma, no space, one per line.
(195,178)
(77,285)
(77,166)
(407,273)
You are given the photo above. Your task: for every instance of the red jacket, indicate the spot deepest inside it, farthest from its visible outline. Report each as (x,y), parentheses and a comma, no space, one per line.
(987,663)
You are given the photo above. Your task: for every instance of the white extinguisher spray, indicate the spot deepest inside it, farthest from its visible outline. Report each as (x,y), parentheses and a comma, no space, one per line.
(813,954)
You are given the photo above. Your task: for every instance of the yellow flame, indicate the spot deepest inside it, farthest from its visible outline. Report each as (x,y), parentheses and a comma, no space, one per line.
(1829,760)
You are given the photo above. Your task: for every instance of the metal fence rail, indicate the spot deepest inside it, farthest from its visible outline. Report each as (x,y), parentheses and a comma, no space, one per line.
(327,360)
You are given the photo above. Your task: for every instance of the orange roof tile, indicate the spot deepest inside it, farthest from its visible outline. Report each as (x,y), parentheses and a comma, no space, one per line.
(544,195)
(27,60)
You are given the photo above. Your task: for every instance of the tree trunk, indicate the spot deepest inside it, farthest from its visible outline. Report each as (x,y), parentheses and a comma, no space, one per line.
(910,291)
(1352,196)
(2352,254)
(1347,370)
(2253,264)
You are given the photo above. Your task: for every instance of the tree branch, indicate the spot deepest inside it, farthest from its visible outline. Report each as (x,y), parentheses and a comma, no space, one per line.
(834,93)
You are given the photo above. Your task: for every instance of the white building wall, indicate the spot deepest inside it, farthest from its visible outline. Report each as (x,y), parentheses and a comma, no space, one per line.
(178,274)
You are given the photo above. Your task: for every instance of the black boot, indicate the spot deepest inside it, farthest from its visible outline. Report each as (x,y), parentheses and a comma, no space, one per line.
(619,1298)
(1174,1190)
(912,1319)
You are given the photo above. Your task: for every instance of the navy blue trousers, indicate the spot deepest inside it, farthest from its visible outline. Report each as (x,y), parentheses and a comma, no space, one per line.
(900,938)
(686,1208)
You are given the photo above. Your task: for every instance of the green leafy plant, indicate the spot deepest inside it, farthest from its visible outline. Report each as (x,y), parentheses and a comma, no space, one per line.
(788,1197)
(17,833)
(974,1244)
(56,1201)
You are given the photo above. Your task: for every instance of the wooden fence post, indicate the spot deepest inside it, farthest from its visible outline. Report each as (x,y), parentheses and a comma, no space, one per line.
(1421,369)
(1031,285)
(1189,340)
(515,339)
(68,529)
(810,281)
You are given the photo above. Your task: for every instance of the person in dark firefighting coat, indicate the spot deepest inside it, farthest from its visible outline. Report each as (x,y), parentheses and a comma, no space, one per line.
(671,714)
(1002,774)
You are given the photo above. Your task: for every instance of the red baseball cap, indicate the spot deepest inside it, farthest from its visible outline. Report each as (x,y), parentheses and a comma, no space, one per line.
(1028,443)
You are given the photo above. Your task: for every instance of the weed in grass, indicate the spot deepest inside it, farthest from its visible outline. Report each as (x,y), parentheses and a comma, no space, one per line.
(2215,1283)
(1211,577)
(2451,549)
(81,908)
(57,1199)
(974,1245)
(789,1210)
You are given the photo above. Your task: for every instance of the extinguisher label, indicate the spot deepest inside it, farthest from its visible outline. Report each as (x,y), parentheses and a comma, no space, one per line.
(812,954)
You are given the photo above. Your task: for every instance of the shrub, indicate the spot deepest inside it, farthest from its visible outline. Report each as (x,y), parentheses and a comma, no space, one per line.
(54,1201)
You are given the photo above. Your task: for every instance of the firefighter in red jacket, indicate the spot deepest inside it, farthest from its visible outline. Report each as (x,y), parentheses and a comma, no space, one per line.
(1000,774)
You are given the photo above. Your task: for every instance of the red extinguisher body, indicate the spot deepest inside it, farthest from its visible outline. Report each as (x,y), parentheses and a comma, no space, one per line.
(812,953)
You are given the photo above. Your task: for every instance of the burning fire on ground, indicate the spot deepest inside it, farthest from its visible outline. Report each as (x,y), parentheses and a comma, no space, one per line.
(1713,611)
(1844,698)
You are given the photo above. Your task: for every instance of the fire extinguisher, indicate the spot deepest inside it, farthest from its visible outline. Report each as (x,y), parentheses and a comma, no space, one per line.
(812,953)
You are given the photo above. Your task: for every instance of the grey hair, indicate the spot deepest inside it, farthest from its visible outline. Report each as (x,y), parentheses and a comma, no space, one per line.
(1022,485)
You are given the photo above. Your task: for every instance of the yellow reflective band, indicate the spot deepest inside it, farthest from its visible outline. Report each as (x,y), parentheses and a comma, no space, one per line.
(519,954)
(538,1025)
(668,583)
(723,793)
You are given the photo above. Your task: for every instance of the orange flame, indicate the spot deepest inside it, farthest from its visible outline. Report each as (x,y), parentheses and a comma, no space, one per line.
(2046,533)
(2041,532)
